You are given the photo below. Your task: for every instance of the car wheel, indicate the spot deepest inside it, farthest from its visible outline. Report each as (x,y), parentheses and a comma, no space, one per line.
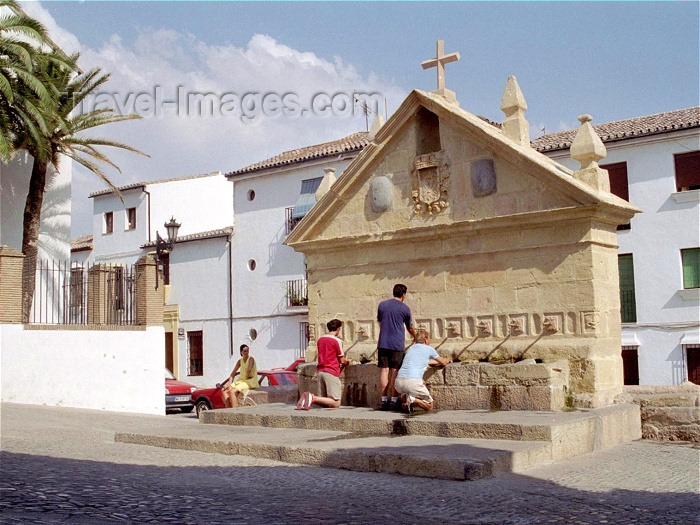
(202,405)
(187,410)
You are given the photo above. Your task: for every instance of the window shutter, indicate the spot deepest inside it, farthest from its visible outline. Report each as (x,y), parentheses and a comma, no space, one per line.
(618,179)
(687,170)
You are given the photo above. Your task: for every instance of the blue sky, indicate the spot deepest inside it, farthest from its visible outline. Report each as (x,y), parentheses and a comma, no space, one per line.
(613,60)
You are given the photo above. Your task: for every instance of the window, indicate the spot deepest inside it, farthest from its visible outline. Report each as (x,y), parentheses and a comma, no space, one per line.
(251,195)
(118,284)
(131,218)
(196,353)
(252,264)
(108,226)
(253,334)
(77,287)
(307,198)
(692,356)
(618,183)
(691,267)
(628,306)
(687,171)
(630,365)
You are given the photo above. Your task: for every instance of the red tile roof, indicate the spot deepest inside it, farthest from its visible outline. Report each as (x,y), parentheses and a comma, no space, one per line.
(625,129)
(81,243)
(158,181)
(351,143)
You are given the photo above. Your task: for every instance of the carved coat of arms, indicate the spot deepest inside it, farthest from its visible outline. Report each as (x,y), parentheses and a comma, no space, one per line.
(429,180)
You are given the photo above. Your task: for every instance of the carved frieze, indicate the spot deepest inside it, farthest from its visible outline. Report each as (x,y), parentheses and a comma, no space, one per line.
(429,183)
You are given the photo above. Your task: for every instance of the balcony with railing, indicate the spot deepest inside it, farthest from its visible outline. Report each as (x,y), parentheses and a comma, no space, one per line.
(297,293)
(628,306)
(289,221)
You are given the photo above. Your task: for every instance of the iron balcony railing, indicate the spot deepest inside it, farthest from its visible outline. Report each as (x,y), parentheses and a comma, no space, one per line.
(289,221)
(628,306)
(297,293)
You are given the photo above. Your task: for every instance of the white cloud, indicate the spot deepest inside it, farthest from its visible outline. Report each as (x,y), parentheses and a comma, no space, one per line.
(181,142)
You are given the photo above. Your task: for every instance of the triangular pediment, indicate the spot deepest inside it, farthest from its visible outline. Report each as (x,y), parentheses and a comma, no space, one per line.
(434,166)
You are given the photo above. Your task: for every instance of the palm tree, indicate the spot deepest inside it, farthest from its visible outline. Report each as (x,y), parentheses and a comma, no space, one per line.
(64,137)
(24,98)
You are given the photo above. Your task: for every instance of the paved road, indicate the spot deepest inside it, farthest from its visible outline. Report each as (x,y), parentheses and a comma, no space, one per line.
(62,466)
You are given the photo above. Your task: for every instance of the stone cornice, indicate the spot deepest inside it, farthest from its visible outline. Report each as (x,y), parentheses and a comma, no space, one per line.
(538,219)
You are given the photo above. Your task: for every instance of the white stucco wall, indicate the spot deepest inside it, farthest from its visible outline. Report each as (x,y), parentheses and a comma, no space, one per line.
(122,245)
(655,239)
(199,204)
(120,370)
(259,296)
(54,229)
(199,285)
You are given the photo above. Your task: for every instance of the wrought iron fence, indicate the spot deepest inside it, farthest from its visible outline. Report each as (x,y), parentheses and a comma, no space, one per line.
(79,294)
(297,293)
(628,306)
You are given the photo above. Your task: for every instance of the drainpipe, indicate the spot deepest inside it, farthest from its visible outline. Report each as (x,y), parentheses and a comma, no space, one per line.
(149,212)
(230,295)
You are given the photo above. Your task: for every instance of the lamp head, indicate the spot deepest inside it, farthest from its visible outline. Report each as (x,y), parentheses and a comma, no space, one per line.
(172,228)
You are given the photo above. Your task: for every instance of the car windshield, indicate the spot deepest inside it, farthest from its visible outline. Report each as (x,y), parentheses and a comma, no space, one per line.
(168,374)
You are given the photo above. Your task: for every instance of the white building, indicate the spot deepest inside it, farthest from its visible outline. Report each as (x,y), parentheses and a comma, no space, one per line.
(269,292)
(654,162)
(198,325)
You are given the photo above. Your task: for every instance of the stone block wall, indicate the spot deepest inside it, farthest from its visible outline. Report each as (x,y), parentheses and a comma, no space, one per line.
(469,386)
(669,413)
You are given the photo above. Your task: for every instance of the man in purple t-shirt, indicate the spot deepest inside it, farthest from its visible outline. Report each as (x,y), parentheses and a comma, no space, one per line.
(393,316)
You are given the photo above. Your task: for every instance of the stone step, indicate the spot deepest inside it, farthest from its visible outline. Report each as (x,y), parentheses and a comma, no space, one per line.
(569,433)
(414,455)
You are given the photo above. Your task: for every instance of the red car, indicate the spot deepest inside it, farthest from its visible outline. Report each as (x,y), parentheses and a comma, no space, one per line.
(209,398)
(291,368)
(178,394)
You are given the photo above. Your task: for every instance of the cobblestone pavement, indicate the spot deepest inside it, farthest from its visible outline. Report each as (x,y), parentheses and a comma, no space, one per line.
(61,465)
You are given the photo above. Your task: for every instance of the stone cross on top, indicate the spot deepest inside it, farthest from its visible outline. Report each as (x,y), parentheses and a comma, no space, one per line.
(439,62)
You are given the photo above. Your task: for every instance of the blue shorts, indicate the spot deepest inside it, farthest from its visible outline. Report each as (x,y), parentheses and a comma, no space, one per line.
(390,358)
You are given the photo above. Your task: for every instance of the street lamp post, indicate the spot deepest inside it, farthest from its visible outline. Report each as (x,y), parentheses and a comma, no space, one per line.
(163,246)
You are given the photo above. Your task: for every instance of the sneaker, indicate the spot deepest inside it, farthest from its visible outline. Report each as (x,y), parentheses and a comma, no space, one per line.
(396,405)
(308,401)
(409,403)
(300,403)
(385,405)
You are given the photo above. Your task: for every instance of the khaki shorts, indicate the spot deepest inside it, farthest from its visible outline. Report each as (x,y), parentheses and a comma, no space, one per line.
(329,385)
(413,387)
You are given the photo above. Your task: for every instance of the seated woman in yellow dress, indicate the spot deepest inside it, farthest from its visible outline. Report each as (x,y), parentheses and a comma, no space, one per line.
(248,379)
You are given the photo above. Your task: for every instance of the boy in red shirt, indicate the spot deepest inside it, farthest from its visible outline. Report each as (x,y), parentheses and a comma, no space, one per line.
(331,362)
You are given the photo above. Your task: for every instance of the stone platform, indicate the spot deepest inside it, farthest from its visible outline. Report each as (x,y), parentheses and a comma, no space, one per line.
(460,445)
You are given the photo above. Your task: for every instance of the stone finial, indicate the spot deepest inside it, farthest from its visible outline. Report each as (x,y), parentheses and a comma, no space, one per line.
(588,149)
(326,183)
(377,123)
(514,106)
